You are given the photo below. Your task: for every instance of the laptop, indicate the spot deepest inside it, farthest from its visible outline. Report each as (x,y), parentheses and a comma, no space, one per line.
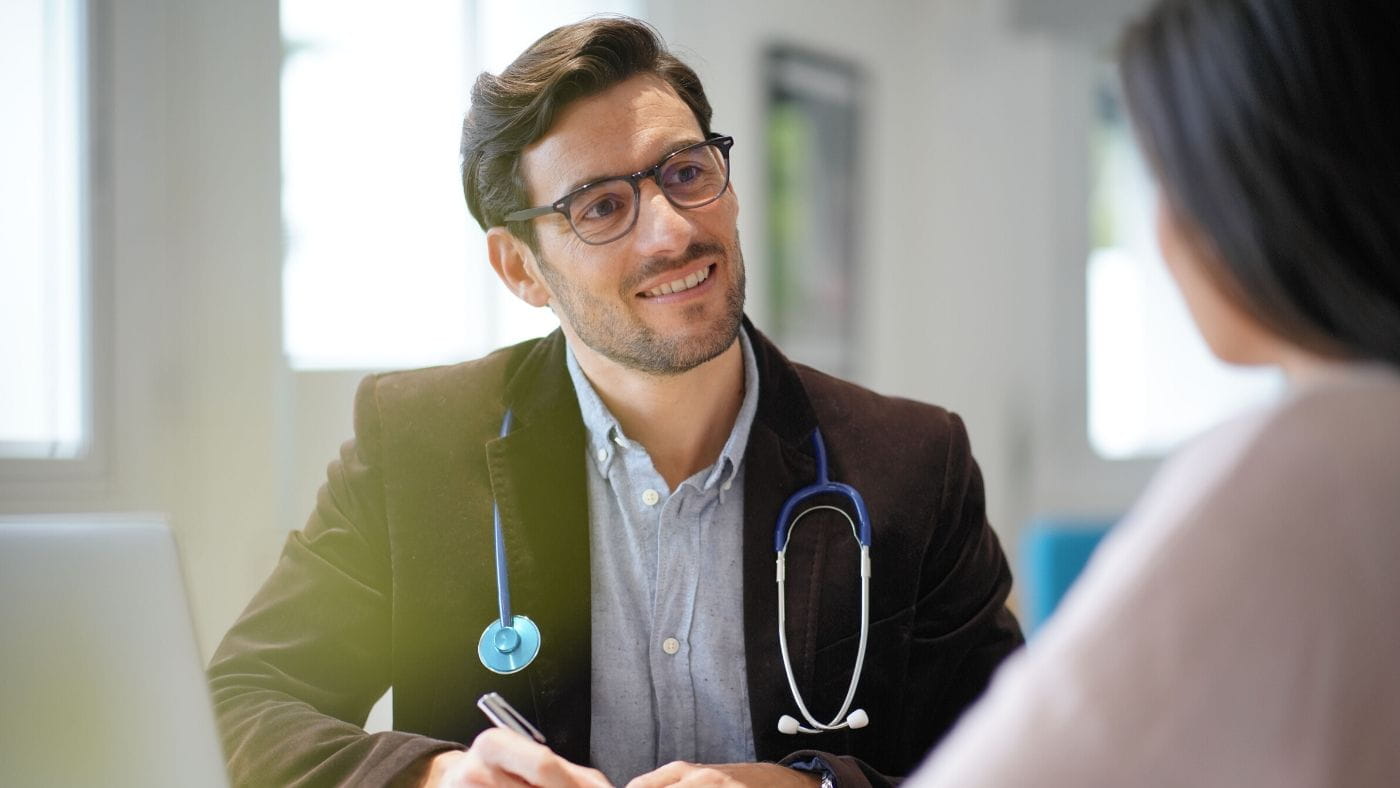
(101,682)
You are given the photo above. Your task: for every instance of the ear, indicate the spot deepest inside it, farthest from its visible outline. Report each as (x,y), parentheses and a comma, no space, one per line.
(514,262)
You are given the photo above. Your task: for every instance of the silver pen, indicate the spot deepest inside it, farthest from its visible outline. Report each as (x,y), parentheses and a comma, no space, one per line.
(504,715)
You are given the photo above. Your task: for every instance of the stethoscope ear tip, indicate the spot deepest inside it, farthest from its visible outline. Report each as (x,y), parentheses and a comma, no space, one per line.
(856,719)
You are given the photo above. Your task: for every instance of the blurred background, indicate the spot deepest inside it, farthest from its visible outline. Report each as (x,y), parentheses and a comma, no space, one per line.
(216,217)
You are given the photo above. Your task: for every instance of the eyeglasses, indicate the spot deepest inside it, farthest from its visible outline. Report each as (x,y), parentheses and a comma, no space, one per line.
(606,210)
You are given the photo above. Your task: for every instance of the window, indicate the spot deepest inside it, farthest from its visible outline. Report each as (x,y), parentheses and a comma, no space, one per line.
(1152,380)
(43,338)
(384,265)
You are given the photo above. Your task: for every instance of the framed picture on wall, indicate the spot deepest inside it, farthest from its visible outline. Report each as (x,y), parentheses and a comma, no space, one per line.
(812,141)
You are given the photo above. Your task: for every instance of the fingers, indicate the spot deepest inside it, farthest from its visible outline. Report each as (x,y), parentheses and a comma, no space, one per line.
(727,775)
(584,776)
(681,773)
(472,772)
(505,758)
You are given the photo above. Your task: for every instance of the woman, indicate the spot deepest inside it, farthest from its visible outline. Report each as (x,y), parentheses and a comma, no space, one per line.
(1241,627)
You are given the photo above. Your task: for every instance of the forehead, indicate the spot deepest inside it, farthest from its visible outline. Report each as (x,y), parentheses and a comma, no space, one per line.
(619,131)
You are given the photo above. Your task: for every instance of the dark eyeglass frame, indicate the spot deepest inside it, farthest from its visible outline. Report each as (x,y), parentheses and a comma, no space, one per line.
(561,205)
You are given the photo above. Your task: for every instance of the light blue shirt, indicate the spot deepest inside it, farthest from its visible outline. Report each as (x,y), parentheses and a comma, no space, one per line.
(669,677)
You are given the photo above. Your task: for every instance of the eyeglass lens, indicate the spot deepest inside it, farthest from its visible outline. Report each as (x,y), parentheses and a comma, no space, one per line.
(690,178)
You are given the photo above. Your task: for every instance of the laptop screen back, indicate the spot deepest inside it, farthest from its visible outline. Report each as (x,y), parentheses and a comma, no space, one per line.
(101,682)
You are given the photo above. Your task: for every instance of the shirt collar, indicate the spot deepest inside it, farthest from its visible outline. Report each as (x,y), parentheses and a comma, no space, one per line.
(605,435)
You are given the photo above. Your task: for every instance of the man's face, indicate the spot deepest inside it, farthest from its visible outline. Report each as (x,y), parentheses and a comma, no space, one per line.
(608,297)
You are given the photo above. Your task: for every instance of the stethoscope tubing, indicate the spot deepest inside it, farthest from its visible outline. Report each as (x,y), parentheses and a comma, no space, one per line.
(823,485)
(836,722)
(861,530)
(502,579)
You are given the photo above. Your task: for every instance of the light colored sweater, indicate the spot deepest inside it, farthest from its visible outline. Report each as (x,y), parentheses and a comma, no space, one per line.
(1241,627)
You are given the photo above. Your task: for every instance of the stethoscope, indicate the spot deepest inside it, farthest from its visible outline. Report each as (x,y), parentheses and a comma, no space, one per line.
(510,648)
(506,648)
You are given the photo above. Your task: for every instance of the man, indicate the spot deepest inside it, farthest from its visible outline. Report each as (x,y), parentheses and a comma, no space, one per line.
(638,459)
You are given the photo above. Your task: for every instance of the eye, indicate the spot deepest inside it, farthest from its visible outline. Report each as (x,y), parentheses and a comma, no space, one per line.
(685,174)
(604,203)
(602,208)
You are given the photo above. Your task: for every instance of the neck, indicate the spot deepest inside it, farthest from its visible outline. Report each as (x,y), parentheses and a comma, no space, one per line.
(682,420)
(1304,367)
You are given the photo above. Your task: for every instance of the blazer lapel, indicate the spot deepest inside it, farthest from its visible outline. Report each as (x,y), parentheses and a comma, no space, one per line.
(537,478)
(777,462)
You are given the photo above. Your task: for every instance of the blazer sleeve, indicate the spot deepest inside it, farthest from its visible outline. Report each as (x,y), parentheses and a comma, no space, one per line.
(294,679)
(962,629)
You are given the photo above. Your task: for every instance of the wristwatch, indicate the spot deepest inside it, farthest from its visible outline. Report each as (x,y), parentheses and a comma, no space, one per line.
(819,768)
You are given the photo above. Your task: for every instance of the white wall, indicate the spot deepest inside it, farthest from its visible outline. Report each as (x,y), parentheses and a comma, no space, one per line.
(978,118)
(973,256)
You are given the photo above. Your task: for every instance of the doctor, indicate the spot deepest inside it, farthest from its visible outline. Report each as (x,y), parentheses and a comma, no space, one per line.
(636,462)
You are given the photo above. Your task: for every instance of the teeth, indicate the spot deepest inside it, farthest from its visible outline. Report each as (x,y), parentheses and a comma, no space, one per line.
(681,285)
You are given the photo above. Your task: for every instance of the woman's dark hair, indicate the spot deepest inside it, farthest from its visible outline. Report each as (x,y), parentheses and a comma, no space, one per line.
(514,109)
(1274,128)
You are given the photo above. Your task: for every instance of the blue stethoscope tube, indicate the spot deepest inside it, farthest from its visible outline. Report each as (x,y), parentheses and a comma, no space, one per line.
(508,649)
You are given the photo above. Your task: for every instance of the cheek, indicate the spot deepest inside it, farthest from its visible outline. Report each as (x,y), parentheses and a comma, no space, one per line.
(576,268)
(720,218)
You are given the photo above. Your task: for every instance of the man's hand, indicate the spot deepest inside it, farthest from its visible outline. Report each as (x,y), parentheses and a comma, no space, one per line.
(729,775)
(504,758)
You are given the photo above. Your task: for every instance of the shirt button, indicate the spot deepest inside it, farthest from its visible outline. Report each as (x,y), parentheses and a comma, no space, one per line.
(650,497)
(602,455)
(670,645)
(727,485)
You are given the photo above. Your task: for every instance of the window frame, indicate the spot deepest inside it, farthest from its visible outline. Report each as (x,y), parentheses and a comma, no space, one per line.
(27,482)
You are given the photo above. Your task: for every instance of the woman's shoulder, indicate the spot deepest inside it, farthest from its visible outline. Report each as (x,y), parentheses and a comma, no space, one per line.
(1307,470)
(1336,435)
(1348,415)
(1319,461)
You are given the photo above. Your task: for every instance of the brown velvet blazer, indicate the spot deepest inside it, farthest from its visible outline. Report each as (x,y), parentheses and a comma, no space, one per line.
(392,580)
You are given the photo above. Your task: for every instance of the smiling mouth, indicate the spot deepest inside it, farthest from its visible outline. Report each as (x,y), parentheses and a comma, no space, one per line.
(680,285)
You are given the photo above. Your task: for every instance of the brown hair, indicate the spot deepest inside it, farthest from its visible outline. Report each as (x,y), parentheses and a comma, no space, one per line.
(512,110)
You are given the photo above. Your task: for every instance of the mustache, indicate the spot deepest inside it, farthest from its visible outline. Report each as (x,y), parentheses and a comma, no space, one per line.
(661,265)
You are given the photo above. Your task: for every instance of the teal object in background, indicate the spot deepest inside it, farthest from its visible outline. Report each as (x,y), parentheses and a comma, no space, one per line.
(1054,551)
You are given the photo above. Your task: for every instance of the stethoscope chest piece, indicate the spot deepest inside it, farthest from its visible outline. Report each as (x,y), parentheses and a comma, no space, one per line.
(509,649)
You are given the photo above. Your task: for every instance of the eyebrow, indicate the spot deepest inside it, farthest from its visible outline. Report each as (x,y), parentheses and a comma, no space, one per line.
(582,182)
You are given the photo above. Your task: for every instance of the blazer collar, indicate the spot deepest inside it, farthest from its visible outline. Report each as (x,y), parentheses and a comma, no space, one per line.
(538,386)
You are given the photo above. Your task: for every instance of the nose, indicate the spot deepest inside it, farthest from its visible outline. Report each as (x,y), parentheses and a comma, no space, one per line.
(662,230)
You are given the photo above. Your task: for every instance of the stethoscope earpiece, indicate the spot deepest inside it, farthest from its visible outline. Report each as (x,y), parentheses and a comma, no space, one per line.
(855,720)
